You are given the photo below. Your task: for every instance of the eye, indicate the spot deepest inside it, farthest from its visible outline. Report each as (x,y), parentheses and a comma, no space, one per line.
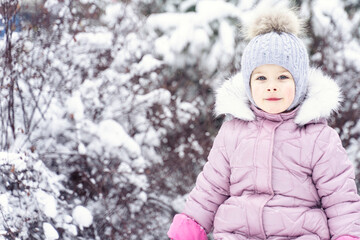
(261,78)
(282,77)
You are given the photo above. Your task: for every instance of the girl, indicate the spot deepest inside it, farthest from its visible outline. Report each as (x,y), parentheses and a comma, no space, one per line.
(276,170)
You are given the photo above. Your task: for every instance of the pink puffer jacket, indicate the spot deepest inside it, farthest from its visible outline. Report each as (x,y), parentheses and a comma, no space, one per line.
(282,176)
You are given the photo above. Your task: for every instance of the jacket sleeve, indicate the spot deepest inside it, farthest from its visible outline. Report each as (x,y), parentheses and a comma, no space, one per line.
(333,175)
(212,184)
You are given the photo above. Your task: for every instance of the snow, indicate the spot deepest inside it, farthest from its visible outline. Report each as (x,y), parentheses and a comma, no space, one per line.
(50,3)
(206,11)
(185,5)
(99,40)
(13,159)
(82,216)
(71,228)
(143,196)
(113,134)
(112,12)
(161,95)
(50,232)
(199,42)
(139,180)
(178,204)
(194,33)
(68,219)
(4,202)
(186,111)
(75,106)
(82,149)
(52,179)
(212,10)
(147,64)
(34,196)
(149,137)
(48,203)
(28,46)
(222,52)
(354,151)
(124,168)
(170,21)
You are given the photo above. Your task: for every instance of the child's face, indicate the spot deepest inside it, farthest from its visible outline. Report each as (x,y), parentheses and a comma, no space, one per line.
(272,88)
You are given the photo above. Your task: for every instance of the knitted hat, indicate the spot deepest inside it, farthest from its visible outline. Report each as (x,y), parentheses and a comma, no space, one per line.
(274,40)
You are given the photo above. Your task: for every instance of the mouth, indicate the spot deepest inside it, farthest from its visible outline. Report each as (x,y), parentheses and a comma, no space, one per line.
(273,99)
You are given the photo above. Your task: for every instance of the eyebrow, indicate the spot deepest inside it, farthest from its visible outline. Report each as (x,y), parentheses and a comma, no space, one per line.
(258,72)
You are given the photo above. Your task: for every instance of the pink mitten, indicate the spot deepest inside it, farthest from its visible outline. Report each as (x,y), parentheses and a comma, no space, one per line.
(347,238)
(185,228)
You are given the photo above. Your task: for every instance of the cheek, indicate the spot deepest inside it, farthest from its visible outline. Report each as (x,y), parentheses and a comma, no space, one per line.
(290,92)
(255,92)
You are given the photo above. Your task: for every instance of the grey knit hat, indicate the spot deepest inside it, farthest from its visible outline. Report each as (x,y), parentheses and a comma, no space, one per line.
(274,41)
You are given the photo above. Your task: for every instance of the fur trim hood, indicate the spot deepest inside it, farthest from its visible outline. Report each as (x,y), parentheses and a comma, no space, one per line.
(323,97)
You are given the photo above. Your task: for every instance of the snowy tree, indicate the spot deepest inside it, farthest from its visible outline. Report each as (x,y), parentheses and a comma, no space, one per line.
(104,117)
(335,48)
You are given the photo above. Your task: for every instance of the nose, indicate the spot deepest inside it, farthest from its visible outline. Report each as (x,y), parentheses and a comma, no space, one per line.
(272,85)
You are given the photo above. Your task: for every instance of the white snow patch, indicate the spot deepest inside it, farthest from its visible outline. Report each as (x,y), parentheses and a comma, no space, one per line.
(161,96)
(186,111)
(50,3)
(200,41)
(75,106)
(48,203)
(4,202)
(82,149)
(142,196)
(82,216)
(211,10)
(170,21)
(124,168)
(15,159)
(99,40)
(147,64)
(138,180)
(71,228)
(28,46)
(50,232)
(112,13)
(179,203)
(112,133)
(68,218)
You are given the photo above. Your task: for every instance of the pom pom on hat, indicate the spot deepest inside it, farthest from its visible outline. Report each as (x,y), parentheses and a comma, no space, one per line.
(274,41)
(276,20)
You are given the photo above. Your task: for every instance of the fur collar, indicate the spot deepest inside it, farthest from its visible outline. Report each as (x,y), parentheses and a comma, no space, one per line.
(322,99)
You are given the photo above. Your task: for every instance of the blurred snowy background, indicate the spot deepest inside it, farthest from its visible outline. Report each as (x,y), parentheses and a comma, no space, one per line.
(106,106)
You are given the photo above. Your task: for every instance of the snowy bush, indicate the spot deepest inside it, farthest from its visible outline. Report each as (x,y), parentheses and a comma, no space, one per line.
(31,204)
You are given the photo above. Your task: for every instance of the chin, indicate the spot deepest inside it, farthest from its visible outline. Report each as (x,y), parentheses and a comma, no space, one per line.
(274,111)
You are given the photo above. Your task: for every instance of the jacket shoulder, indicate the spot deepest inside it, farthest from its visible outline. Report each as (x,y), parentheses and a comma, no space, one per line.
(230,134)
(315,128)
